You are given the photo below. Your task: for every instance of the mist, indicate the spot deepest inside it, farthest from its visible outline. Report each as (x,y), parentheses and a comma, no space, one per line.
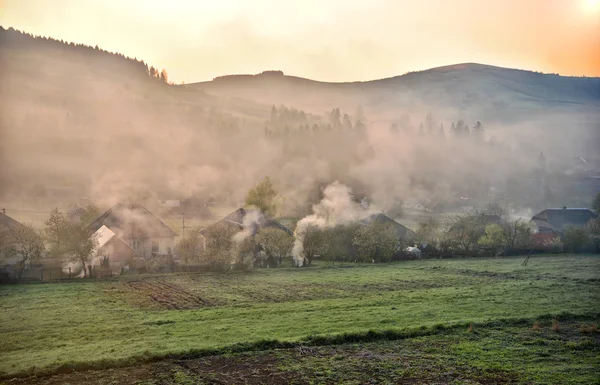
(92,125)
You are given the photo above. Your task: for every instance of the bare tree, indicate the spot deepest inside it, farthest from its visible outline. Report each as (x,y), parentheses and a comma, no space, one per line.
(190,248)
(55,233)
(80,246)
(71,241)
(246,253)
(276,243)
(509,235)
(315,242)
(219,244)
(464,232)
(340,242)
(576,239)
(24,243)
(517,234)
(493,208)
(376,241)
(431,232)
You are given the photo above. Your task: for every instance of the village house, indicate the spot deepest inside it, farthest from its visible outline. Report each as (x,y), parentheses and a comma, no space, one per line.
(252,220)
(110,247)
(144,232)
(7,222)
(7,269)
(401,231)
(249,220)
(552,223)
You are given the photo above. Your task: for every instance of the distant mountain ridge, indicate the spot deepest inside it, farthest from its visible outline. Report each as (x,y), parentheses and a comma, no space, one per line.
(101,124)
(489,91)
(445,68)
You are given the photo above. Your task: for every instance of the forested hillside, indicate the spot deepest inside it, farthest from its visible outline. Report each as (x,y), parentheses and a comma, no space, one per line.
(79,121)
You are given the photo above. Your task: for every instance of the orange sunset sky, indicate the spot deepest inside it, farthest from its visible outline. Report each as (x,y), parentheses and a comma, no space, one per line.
(335,40)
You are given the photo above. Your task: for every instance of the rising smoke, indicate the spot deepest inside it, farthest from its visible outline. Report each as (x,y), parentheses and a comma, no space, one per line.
(81,128)
(338,207)
(250,225)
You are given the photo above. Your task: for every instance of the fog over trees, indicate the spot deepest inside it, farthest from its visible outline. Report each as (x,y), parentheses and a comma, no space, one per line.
(112,128)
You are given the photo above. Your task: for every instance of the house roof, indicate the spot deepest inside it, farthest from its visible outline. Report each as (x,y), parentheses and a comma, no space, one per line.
(76,210)
(104,236)
(236,218)
(556,220)
(125,217)
(401,231)
(7,221)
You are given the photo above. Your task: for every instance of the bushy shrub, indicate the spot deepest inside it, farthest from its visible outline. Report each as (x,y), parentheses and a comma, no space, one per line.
(576,239)
(554,245)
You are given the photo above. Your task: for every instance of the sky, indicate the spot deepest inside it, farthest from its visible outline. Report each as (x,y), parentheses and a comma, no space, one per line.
(328,40)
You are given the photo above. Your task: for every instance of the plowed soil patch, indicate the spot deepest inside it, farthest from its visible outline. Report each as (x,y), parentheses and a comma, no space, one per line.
(167,295)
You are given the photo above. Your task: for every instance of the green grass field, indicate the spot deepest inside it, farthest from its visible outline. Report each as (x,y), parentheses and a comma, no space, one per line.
(46,325)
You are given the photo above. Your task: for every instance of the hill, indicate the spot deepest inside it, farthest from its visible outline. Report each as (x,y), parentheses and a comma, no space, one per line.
(74,117)
(77,121)
(471,90)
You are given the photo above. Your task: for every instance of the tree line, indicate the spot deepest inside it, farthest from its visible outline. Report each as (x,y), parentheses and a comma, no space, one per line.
(288,120)
(429,127)
(488,232)
(25,41)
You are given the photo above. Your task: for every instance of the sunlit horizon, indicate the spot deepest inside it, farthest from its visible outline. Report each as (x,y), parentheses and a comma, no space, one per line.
(338,41)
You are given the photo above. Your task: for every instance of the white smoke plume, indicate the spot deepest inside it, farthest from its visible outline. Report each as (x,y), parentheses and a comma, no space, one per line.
(250,224)
(337,207)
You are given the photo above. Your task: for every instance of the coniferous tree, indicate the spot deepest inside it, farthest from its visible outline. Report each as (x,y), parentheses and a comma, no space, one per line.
(347,124)
(429,123)
(334,118)
(359,115)
(273,114)
(478,130)
(360,127)
(164,77)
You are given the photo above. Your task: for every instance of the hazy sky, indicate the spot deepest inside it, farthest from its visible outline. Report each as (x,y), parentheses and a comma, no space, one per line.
(333,40)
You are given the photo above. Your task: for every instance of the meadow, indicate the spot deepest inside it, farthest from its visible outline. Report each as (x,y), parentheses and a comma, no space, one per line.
(45,327)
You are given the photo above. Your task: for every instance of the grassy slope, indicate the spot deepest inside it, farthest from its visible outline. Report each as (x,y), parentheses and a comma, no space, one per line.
(505,352)
(49,324)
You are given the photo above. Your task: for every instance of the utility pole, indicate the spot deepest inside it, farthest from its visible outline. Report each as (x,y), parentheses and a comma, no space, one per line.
(182,225)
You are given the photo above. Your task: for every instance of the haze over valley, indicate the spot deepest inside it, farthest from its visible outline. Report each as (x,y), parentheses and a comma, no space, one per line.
(284,192)
(81,122)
